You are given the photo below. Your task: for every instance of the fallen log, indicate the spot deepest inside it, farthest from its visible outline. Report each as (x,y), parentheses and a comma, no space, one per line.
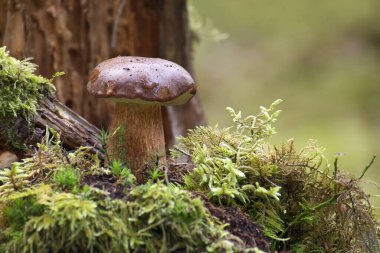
(20,135)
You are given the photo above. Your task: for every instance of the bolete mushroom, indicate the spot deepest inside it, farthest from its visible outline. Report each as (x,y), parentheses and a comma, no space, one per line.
(139,86)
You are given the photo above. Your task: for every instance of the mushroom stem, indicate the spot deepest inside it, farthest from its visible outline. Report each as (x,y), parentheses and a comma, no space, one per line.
(137,137)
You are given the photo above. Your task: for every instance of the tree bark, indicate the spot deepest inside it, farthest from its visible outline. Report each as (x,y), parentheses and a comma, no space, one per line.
(74,36)
(74,130)
(70,36)
(3,19)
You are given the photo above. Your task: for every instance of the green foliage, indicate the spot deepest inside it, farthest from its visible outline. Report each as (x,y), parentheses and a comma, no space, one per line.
(84,222)
(20,88)
(49,160)
(229,164)
(47,206)
(104,140)
(299,205)
(169,220)
(67,178)
(156,218)
(156,174)
(124,174)
(20,211)
(16,214)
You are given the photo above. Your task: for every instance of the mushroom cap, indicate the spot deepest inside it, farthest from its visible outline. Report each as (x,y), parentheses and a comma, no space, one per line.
(141,80)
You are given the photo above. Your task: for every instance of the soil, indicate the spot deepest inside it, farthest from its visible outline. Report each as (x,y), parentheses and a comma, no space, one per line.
(105,182)
(239,224)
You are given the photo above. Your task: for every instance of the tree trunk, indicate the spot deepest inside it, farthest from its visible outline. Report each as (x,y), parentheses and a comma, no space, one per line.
(70,36)
(74,36)
(3,19)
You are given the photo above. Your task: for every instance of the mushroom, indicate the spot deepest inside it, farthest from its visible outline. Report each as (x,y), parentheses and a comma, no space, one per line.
(139,86)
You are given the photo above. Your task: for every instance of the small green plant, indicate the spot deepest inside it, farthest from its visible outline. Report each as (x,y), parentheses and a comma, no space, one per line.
(104,140)
(124,174)
(67,178)
(156,174)
(118,133)
(117,168)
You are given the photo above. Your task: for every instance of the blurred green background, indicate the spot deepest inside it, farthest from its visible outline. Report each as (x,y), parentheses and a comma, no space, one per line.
(321,57)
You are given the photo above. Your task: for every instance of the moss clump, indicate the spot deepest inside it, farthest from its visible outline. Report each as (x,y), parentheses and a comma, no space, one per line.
(20,87)
(47,164)
(84,222)
(303,203)
(60,208)
(168,219)
(20,90)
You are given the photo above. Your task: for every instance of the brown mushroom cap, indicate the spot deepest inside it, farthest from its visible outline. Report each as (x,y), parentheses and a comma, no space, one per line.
(141,80)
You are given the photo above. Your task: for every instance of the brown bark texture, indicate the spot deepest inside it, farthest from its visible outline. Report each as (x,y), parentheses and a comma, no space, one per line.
(136,138)
(74,130)
(74,36)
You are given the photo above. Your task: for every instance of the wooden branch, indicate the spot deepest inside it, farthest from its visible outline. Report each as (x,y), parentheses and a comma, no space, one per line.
(75,131)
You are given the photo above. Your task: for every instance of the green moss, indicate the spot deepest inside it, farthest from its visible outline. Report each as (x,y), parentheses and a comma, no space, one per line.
(59,201)
(302,203)
(170,220)
(20,87)
(20,90)
(47,165)
(124,175)
(84,222)
(67,178)
(230,165)
(156,218)
(20,212)
(53,217)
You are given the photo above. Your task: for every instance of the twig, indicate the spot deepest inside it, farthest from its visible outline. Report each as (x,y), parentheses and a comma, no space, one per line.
(367,167)
(183,152)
